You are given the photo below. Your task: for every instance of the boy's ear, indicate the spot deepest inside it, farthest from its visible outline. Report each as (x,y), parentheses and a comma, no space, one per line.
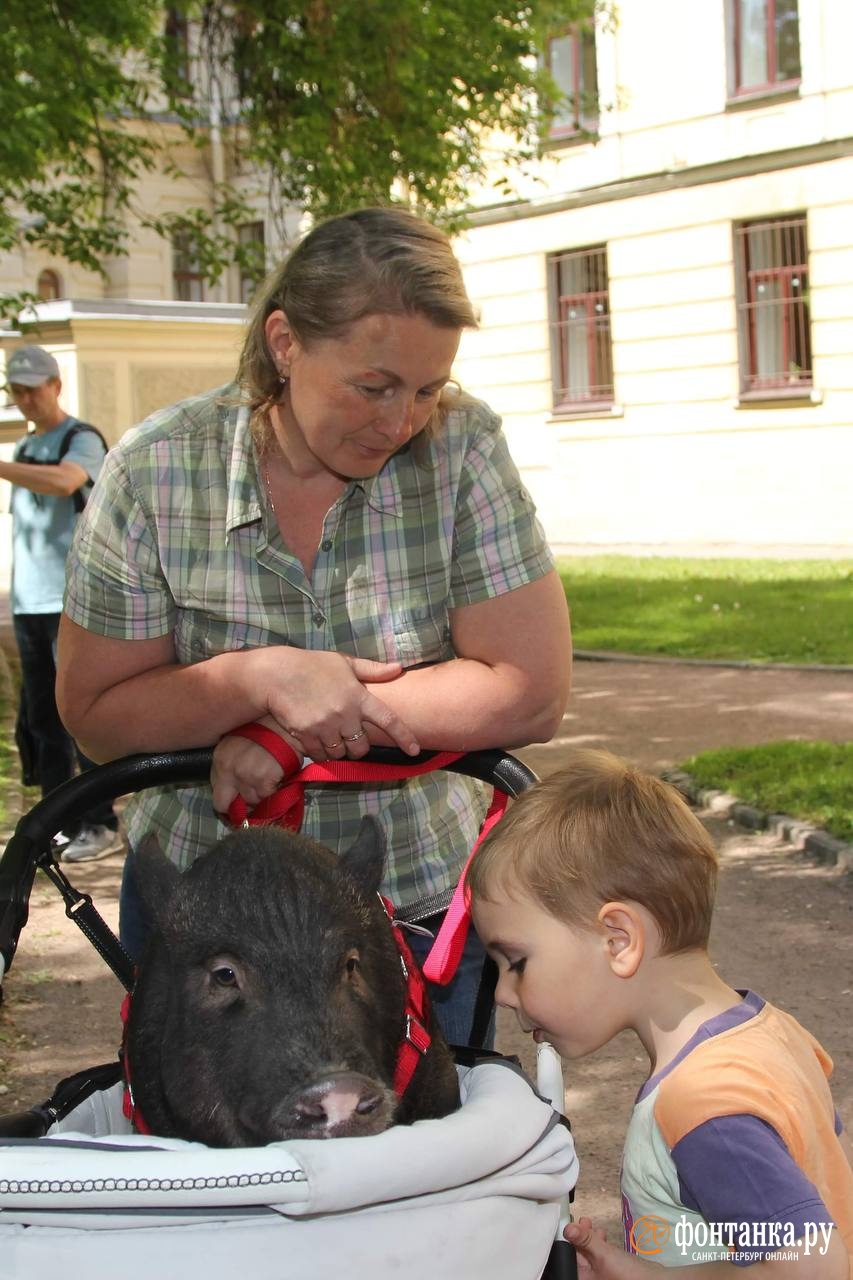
(624,936)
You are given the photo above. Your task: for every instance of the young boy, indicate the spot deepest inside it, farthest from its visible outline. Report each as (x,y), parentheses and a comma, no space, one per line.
(594,896)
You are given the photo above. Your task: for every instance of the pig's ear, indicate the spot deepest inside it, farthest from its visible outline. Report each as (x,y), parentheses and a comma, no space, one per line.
(156,877)
(365,860)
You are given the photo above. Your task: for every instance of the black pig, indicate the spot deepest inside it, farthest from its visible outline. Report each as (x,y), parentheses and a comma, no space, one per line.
(271,1000)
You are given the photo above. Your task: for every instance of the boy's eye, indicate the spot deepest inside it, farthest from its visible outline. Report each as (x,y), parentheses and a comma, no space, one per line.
(517,966)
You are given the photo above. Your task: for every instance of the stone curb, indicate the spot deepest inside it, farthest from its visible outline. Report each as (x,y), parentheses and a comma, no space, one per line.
(738,664)
(822,846)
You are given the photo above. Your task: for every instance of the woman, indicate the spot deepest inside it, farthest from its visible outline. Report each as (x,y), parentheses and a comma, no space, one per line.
(341,548)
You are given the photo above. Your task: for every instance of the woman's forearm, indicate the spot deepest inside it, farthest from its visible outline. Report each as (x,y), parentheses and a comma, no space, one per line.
(508,687)
(466,705)
(167,708)
(510,683)
(462,705)
(118,697)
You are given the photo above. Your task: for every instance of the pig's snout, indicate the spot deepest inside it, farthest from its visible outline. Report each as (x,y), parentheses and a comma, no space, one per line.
(344,1105)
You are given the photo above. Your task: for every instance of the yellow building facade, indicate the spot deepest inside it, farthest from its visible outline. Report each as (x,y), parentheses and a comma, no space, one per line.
(665,296)
(666,300)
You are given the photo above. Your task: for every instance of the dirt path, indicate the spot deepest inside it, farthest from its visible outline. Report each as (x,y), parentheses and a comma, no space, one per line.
(784,925)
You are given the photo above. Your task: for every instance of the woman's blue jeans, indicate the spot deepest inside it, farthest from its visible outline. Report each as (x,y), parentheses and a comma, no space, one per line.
(454,1004)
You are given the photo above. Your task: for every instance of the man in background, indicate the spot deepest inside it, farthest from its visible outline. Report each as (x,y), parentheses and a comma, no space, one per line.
(53,468)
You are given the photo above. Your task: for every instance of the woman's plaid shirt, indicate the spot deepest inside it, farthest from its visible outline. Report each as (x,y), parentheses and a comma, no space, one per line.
(175,540)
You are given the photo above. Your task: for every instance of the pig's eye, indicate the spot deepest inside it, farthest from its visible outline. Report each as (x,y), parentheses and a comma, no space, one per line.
(225,975)
(352,964)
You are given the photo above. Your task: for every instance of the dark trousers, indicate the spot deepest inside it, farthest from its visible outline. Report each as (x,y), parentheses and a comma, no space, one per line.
(54,756)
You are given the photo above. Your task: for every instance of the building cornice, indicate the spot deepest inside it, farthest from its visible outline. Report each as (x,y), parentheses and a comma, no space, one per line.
(66,311)
(665,180)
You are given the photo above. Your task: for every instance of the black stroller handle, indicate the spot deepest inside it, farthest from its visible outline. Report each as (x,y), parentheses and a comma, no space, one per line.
(30,846)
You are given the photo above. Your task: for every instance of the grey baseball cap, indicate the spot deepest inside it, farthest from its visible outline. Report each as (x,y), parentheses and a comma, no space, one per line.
(30,367)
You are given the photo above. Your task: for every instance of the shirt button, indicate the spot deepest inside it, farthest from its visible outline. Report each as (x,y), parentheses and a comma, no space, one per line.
(326,544)
(319,619)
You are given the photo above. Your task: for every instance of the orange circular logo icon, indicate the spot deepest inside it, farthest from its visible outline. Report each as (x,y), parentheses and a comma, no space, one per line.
(649,1235)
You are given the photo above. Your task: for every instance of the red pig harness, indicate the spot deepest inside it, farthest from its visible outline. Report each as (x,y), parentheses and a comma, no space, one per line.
(285,808)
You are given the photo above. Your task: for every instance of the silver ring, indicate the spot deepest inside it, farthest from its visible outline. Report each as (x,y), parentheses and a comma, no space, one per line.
(332,746)
(355,736)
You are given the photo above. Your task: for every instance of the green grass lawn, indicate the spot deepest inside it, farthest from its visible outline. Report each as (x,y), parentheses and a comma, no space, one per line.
(808,780)
(744,610)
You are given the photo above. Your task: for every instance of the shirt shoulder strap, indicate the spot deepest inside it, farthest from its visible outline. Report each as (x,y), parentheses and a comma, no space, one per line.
(79,496)
(74,428)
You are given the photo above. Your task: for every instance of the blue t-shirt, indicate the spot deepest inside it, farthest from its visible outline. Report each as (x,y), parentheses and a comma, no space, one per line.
(41,525)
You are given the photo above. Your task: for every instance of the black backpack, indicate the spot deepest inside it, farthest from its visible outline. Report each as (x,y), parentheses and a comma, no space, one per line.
(79,496)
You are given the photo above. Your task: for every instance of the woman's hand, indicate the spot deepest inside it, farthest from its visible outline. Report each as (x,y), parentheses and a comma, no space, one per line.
(321,700)
(243,768)
(325,712)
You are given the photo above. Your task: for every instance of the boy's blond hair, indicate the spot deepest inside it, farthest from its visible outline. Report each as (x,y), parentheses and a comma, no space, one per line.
(599,830)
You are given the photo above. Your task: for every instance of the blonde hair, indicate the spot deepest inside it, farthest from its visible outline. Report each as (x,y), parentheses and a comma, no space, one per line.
(369,262)
(598,831)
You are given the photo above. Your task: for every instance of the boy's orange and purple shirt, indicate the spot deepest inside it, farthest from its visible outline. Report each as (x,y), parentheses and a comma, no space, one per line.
(739,1128)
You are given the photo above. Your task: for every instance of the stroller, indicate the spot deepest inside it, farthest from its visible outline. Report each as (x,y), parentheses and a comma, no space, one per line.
(483,1191)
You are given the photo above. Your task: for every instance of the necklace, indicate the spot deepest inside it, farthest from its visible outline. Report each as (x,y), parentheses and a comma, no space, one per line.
(265,472)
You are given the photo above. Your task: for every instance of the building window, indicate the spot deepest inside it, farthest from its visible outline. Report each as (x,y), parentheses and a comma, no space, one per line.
(176,33)
(48,285)
(764,46)
(252,257)
(570,58)
(186,274)
(581,357)
(773,304)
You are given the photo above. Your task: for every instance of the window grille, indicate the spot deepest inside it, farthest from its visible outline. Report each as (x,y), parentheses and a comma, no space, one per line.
(582,362)
(773,304)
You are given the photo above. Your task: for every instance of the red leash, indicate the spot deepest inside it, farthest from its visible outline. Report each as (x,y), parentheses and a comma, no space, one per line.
(285,808)
(129,1108)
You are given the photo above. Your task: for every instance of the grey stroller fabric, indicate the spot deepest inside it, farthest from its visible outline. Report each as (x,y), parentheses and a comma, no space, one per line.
(476,1193)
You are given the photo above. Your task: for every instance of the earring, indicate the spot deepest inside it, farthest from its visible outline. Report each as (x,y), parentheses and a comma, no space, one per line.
(283,377)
